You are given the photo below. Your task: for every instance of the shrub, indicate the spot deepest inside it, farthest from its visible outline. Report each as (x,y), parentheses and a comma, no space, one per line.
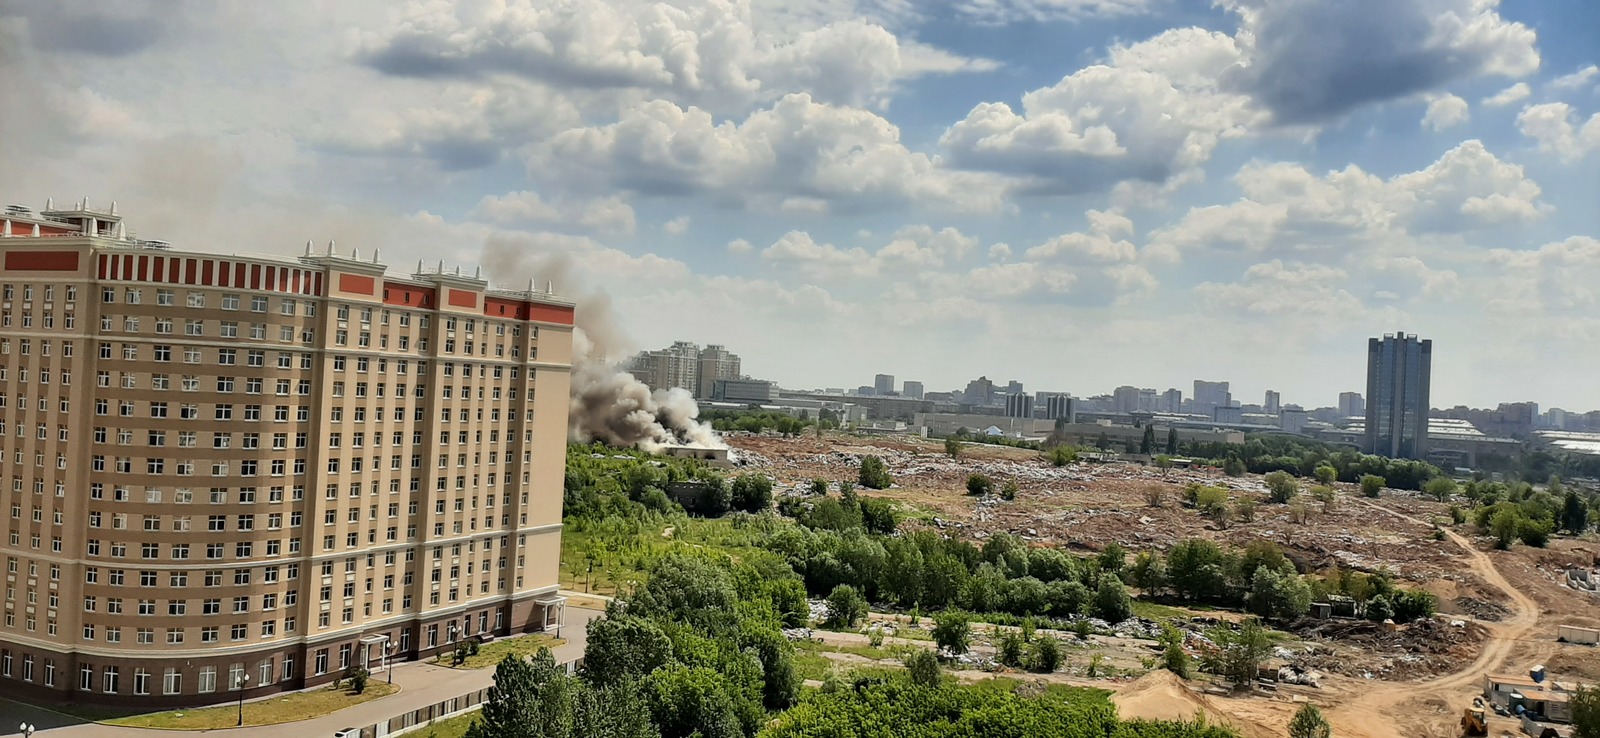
(1063,455)
(923,667)
(952,447)
(1046,656)
(1155,495)
(1245,510)
(358,680)
(952,631)
(1233,466)
(752,492)
(1309,723)
(1111,602)
(1281,487)
(1008,491)
(979,485)
(1173,657)
(1535,533)
(1372,484)
(1009,651)
(1379,609)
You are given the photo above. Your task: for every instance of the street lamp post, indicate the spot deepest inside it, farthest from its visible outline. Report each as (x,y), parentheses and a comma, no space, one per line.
(388,659)
(240,684)
(26,729)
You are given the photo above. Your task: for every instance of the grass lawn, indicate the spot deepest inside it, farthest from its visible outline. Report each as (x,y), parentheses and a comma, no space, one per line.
(495,651)
(286,709)
(1156,611)
(450,728)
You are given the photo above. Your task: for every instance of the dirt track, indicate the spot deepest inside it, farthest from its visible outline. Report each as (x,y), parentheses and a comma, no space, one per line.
(1422,708)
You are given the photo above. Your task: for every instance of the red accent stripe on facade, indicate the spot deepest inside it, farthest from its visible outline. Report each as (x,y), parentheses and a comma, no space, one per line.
(357,283)
(562,314)
(42,261)
(407,295)
(463,298)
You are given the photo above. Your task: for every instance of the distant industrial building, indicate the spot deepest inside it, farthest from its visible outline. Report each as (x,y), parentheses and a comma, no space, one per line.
(1019,405)
(1013,387)
(1451,442)
(745,391)
(1399,371)
(1271,405)
(1351,405)
(979,391)
(1060,406)
(1125,399)
(1230,413)
(911,389)
(883,385)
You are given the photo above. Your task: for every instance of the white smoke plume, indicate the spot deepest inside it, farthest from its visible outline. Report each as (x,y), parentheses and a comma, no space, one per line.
(608,404)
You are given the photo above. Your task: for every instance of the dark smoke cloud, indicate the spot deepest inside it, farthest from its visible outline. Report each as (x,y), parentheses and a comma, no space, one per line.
(608,404)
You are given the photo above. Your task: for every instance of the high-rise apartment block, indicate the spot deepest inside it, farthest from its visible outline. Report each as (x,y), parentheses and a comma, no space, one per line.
(716,362)
(223,467)
(1273,403)
(1208,396)
(1399,368)
(686,366)
(912,389)
(883,385)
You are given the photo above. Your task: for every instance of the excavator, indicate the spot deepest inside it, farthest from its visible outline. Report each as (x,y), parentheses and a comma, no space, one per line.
(1472,719)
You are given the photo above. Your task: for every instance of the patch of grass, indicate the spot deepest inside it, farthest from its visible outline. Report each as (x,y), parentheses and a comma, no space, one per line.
(864,651)
(810,665)
(1155,611)
(286,709)
(449,728)
(495,651)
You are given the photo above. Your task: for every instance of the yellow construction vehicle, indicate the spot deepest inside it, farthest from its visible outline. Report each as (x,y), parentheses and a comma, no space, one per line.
(1472,719)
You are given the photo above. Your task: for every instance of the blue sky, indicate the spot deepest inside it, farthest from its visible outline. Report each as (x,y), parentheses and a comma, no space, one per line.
(1074,193)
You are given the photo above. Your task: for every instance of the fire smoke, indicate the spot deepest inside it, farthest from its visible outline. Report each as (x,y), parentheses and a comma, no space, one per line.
(608,405)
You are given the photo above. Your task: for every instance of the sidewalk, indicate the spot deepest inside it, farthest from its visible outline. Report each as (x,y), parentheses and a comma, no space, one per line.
(421,683)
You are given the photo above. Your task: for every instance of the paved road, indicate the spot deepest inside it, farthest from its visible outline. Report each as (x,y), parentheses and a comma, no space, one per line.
(421,684)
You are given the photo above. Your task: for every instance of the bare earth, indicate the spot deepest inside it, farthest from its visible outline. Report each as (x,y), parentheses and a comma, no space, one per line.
(1511,601)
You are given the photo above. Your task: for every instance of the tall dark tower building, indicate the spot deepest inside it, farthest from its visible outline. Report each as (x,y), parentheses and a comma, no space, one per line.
(1398,371)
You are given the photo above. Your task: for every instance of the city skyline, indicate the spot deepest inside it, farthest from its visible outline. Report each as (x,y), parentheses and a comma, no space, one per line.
(951,198)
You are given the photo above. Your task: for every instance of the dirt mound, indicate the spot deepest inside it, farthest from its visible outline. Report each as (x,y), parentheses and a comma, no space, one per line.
(1493,612)
(1161,695)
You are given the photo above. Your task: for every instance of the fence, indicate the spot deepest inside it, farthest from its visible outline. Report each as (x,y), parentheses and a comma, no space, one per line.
(424,716)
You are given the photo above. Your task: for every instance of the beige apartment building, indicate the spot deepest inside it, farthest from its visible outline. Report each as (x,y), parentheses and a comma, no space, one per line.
(237,473)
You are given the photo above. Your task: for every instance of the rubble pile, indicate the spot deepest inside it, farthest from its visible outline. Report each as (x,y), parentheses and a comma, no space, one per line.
(1391,653)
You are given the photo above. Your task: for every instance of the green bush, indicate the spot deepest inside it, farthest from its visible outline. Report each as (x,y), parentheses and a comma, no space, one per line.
(874,474)
(846,607)
(1046,656)
(979,485)
(1372,484)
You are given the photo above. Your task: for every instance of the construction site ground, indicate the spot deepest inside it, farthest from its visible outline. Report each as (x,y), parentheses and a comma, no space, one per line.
(1498,609)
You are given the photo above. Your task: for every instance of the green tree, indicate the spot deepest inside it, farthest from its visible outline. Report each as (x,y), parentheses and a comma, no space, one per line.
(530,697)
(1147,445)
(1309,723)
(1111,601)
(1233,466)
(1586,713)
(979,484)
(1008,491)
(623,648)
(687,701)
(358,679)
(1574,514)
(1325,473)
(1535,531)
(1505,525)
(751,492)
(1372,484)
(1172,441)
(878,516)
(952,631)
(1063,455)
(846,607)
(788,597)
(1242,652)
(1046,656)
(952,447)
(874,474)
(1281,487)
(1149,572)
(819,486)
(923,668)
(1440,488)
